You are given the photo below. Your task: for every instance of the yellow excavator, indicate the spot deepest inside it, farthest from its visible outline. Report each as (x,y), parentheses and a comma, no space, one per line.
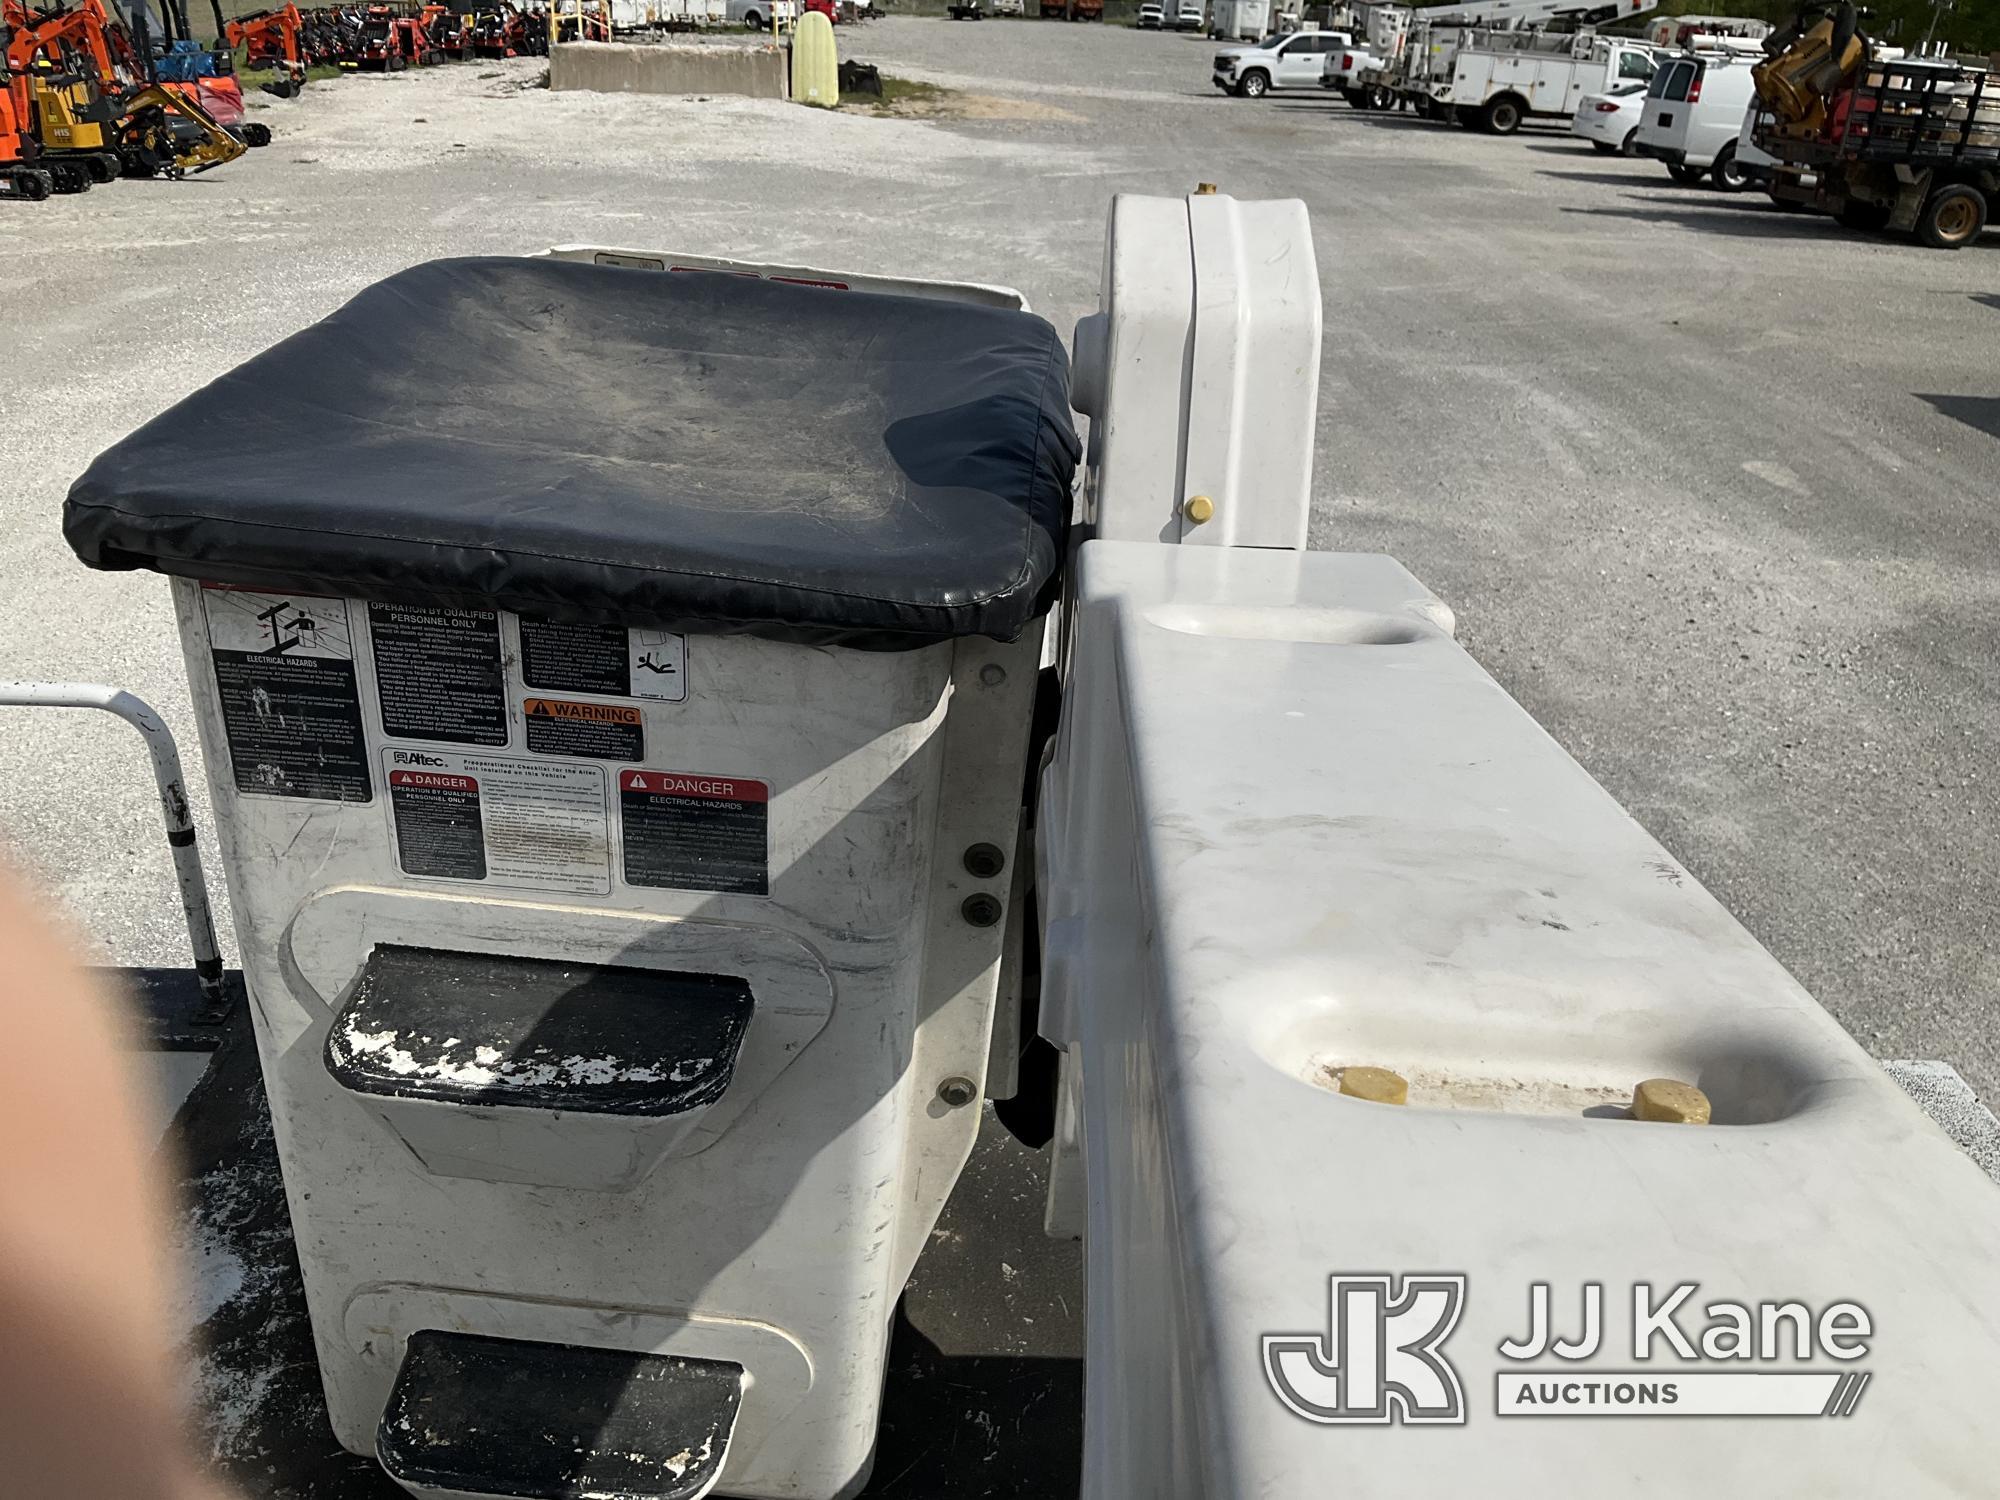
(90,123)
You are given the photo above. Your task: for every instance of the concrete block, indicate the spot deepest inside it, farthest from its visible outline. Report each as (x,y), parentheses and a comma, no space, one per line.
(621,68)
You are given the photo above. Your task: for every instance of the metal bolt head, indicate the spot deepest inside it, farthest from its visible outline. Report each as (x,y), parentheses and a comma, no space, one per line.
(993,674)
(1377,1085)
(1199,509)
(980,909)
(956,1092)
(985,861)
(1670,1102)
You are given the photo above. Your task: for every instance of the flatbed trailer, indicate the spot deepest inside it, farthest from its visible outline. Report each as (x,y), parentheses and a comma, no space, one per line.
(1913,146)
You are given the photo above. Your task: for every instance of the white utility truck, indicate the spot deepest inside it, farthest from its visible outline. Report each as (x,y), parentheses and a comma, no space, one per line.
(623,808)
(1510,77)
(1239,20)
(1412,53)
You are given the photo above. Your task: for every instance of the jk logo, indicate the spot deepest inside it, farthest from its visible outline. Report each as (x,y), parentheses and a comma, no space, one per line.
(1379,1360)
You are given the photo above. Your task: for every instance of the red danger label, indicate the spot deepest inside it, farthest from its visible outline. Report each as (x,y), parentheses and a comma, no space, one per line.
(434,781)
(675,784)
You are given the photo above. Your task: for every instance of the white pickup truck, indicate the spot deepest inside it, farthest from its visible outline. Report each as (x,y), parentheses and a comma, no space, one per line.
(1295,61)
(757,14)
(1497,85)
(1345,72)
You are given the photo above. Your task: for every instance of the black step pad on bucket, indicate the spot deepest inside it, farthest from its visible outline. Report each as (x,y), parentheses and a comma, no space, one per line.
(481,1029)
(538,1421)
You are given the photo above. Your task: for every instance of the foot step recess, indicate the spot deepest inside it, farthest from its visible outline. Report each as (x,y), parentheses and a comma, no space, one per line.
(472,1415)
(481,1029)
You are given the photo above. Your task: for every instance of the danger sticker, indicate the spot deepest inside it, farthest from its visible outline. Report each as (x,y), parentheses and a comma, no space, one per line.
(600,731)
(691,832)
(534,825)
(439,832)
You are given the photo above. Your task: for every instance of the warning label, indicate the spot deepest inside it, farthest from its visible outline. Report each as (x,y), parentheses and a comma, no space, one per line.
(284,674)
(438,829)
(658,664)
(695,833)
(570,658)
(437,673)
(602,731)
(528,824)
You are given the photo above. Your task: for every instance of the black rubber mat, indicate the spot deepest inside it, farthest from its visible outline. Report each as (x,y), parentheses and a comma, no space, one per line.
(546,1421)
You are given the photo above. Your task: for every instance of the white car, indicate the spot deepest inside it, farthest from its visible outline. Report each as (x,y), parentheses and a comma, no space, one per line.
(1152,16)
(1610,121)
(1295,61)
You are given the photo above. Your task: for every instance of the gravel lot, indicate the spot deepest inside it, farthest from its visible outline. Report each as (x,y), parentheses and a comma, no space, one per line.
(1710,487)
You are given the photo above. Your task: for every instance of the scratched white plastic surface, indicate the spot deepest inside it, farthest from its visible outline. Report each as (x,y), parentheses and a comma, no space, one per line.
(1268,847)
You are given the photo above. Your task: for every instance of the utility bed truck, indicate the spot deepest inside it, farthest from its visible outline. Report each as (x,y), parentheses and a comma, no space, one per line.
(1514,76)
(1412,54)
(1913,145)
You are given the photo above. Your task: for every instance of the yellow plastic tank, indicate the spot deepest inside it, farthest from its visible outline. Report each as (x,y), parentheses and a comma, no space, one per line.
(815,62)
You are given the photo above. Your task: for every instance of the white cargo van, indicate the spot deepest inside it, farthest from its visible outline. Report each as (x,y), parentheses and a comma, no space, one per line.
(1693,116)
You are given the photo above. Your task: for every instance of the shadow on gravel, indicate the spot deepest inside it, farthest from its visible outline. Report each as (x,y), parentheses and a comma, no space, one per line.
(1638,177)
(1755,225)
(1988,299)
(1980,413)
(1395,121)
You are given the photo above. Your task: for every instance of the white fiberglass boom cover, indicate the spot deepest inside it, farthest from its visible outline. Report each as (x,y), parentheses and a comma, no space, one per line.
(1290,828)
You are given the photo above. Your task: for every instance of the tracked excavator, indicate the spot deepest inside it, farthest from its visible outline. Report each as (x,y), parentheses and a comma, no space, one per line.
(272,39)
(89,118)
(1877,140)
(21,172)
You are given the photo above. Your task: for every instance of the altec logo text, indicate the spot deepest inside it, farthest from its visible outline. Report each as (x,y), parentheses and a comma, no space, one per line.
(1382,1360)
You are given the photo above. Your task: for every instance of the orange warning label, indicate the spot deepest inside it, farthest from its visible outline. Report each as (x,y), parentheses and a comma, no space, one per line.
(602,731)
(584,713)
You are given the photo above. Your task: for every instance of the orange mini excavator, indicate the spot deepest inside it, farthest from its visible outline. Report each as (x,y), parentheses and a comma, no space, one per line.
(21,176)
(272,39)
(90,118)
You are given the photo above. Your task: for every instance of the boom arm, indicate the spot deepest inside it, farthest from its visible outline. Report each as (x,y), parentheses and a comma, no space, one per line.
(84,27)
(1519,13)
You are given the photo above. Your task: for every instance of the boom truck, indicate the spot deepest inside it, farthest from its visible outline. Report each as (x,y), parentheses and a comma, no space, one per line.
(627,984)
(1878,141)
(1411,59)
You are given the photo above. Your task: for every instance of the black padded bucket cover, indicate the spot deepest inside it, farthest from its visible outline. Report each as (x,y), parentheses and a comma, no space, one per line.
(686,450)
